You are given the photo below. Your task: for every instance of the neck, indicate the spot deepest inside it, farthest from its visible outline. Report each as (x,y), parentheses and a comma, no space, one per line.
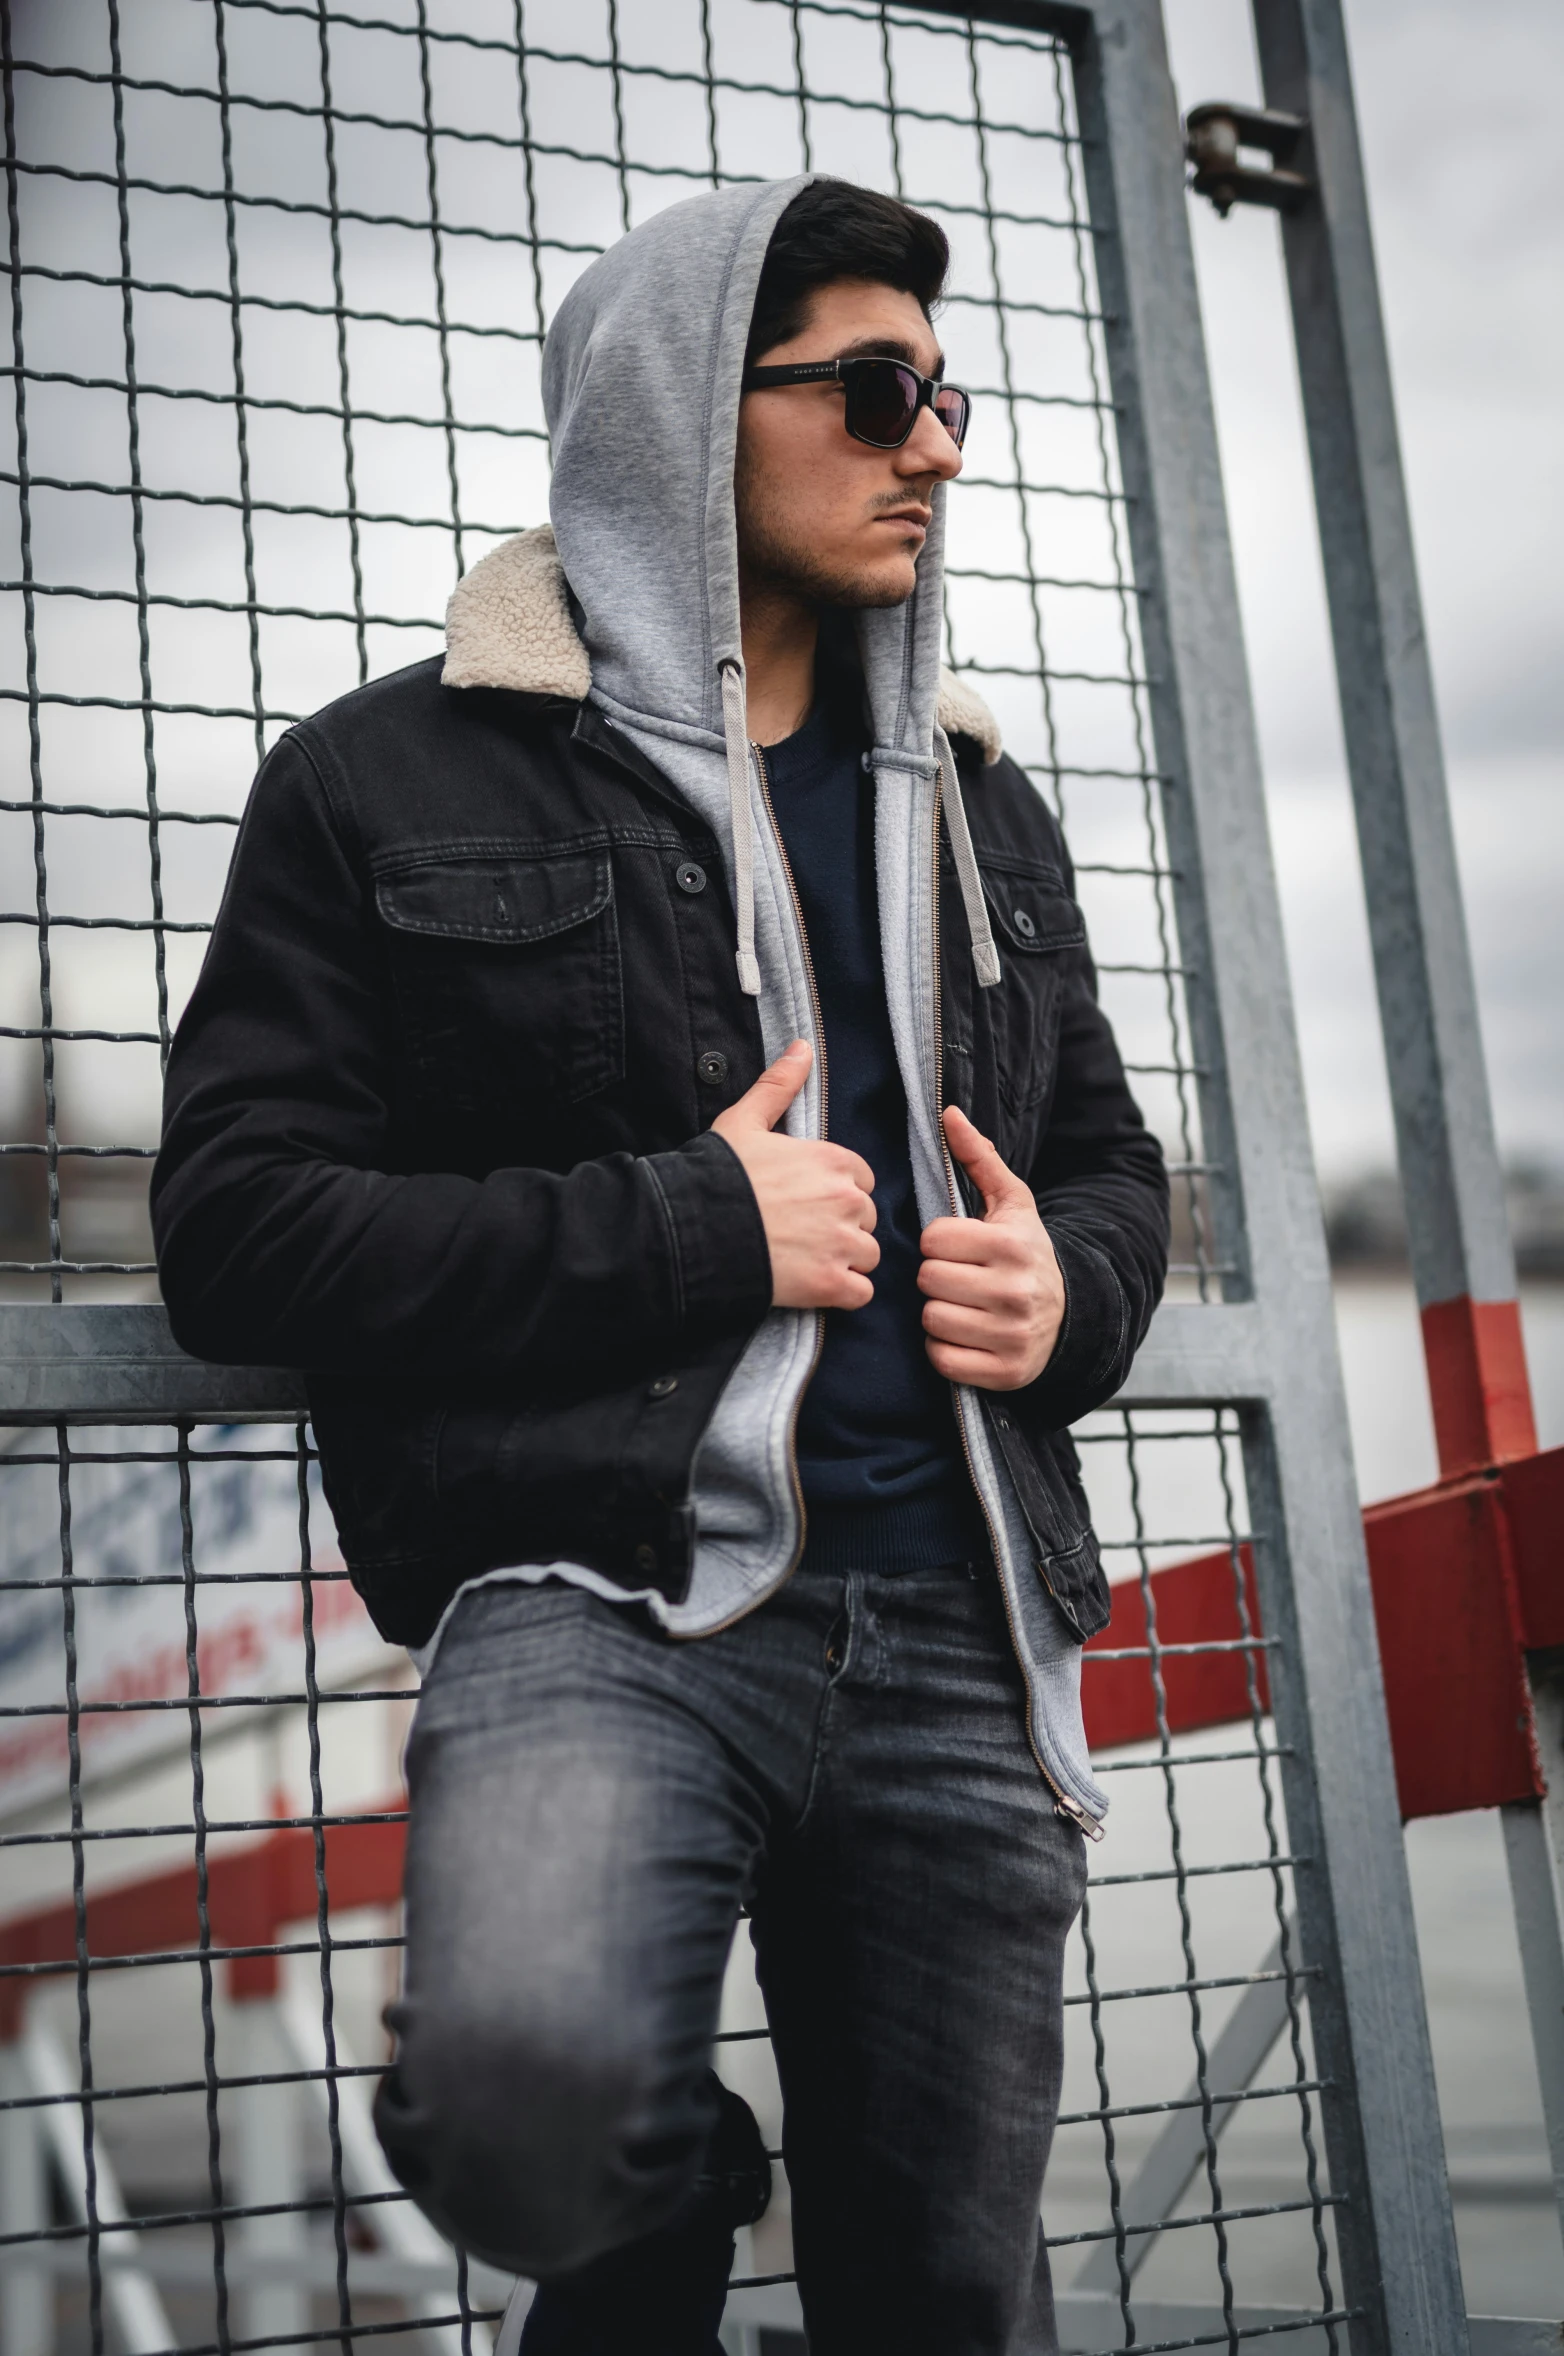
(780,631)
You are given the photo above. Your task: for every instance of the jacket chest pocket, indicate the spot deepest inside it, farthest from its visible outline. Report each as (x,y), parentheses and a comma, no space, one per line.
(1035,923)
(506,971)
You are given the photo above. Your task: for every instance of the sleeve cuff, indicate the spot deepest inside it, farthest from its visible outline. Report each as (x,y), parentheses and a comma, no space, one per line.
(722,1263)
(1087,1362)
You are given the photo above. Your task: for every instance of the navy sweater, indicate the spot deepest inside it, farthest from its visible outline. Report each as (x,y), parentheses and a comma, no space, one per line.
(880,1460)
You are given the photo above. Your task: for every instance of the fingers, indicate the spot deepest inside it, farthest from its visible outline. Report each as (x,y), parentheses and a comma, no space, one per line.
(850,1178)
(971,1285)
(816,1200)
(846,1286)
(762,1106)
(968,1329)
(980,1159)
(862,1175)
(980,1370)
(848,1171)
(971,1241)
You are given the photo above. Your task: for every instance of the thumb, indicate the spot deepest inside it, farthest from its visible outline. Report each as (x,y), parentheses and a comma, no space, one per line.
(998,1185)
(762,1106)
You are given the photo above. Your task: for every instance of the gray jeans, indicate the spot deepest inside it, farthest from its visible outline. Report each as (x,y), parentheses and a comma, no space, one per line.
(594,1802)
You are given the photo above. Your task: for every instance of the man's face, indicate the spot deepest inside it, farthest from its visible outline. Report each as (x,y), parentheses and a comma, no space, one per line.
(821,515)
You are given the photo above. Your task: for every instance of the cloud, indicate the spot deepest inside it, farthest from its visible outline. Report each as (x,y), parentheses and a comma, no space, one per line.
(1466,182)
(1463,166)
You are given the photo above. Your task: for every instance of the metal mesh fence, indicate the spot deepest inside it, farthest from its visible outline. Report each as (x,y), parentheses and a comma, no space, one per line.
(279,276)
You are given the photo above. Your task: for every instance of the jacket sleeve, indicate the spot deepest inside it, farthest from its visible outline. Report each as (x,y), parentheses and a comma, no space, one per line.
(282,1237)
(1102,1189)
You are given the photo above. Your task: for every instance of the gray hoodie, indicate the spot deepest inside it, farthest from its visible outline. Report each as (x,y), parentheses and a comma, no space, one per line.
(641,378)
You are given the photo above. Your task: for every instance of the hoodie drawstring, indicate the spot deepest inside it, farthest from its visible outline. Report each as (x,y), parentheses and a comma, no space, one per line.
(735,733)
(985,957)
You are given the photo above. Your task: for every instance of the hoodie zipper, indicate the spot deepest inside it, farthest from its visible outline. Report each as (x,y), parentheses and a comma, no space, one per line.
(1064,1806)
(824,1085)
(821,1070)
(798,911)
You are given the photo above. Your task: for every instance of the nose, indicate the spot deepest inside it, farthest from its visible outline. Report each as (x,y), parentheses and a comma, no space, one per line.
(929,450)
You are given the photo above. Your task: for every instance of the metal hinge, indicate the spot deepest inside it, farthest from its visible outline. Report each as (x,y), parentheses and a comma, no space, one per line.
(1213,137)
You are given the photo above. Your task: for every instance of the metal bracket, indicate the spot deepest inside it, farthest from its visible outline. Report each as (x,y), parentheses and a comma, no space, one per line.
(1216,132)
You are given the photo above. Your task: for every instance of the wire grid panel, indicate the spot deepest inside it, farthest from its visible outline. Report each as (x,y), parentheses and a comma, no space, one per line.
(202,1846)
(279,278)
(1189,2167)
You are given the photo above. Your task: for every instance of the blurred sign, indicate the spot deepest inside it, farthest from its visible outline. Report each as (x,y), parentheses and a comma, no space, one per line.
(131,1636)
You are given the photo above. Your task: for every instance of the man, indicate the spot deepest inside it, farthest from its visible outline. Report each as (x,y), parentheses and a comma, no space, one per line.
(564,1090)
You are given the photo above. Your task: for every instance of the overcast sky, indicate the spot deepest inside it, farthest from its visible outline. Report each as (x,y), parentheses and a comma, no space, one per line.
(1460,112)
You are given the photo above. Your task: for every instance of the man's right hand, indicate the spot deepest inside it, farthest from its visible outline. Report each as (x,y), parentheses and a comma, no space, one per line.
(815,1199)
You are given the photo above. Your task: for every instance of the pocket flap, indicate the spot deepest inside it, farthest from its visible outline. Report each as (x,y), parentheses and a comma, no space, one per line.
(1069,1560)
(1033,910)
(506,897)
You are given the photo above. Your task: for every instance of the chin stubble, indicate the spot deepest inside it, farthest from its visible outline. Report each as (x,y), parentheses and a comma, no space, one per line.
(771,559)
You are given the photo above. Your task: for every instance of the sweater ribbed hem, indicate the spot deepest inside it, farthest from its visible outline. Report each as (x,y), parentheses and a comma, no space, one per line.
(915,1534)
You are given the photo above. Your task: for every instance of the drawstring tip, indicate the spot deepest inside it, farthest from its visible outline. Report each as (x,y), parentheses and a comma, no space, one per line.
(749,973)
(986,958)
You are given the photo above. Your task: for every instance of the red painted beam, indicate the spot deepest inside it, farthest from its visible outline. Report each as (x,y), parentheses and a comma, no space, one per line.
(1534,1504)
(251,1894)
(1477,1383)
(1467,1576)
(1193,1602)
(1451,1647)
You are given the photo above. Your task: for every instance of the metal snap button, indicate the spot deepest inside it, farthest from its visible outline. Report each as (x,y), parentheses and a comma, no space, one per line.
(645,1558)
(689,877)
(660,1386)
(833,1656)
(1024,925)
(713,1068)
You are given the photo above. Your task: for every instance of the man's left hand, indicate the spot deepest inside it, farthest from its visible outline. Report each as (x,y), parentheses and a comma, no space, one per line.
(993,1294)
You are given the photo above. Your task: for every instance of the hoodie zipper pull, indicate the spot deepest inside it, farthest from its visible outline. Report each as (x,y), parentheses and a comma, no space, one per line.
(1074,1814)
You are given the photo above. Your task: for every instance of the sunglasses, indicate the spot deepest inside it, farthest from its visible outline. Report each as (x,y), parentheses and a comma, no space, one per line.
(883,397)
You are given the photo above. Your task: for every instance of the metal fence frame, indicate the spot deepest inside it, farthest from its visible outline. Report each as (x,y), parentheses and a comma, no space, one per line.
(1462,1263)
(1397,2235)
(1268,1347)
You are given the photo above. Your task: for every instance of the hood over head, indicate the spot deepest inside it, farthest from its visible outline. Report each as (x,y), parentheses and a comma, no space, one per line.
(642,374)
(641,387)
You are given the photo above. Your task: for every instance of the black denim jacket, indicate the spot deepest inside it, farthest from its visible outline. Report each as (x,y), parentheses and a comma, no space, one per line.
(437,1130)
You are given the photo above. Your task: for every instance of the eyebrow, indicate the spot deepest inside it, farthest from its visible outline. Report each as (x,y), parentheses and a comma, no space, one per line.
(889,347)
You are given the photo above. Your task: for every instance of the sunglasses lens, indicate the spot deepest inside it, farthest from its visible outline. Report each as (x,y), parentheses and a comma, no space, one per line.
(882,401)
(952,408)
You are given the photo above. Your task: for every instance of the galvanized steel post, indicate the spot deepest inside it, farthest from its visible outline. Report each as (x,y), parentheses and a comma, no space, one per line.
(1450,1173)
(1395,2228)
(1461,1257)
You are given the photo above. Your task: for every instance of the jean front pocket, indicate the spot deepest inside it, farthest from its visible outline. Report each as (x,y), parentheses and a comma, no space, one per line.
(505,967)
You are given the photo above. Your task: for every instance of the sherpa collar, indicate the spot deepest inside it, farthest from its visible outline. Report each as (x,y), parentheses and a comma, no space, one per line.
(509,624)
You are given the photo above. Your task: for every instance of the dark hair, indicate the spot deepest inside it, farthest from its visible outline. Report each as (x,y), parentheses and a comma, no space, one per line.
(834,230)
